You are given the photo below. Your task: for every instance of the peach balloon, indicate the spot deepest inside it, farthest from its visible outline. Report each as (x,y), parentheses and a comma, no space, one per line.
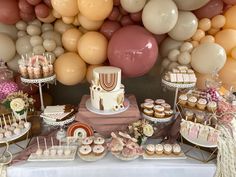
(68,20)
(199,34)
(233,53)
(228,72)
(94,9)
(194,43)
(76,21)
(218,21)
(67,8)
(204,24)
(207,39)
(92,47)
(89,24)
(201,80)
(230,15)
(89,74)
(213,31)
(70,69)
(227,39)
(61,27)
(56,14)
(70,39)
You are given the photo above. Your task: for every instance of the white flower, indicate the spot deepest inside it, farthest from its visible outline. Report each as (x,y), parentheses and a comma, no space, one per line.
(148,130)
(17,104)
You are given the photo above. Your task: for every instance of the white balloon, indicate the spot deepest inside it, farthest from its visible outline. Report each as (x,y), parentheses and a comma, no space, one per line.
(38,50)
(13,64)
(36,40)
(132,6)
(190,4)
(160,16)
(49,45)
(21,34)
(185,27)
(52,35)
(7,47)
(184,58)
(186,47)
(168,44)
(33,30)
(172,65)
(23,45)
(21,25)
(173,54)
(10,30)
(208,58)
(35,22)
(47,27)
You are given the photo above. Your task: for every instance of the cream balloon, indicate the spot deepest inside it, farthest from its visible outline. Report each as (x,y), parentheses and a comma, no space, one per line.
(36,40)
(70,39)
(61,27)
(165,63)
(58,51)
(70,69)
(186,22)
(133,6)
(21,25)
(7,47)
(56,14)
(52,35)
(184,58)
(173,54)
(23,45)
(49,45)
(67,8)
(160,16)
(92,47)
(204,24)
(33,30)
(168,44)
(172,65)
(35,22)
(89,74)
(47,27)
(38,50)
(198,35)
(94,9)
(207,39)
(21,34)
(208,58)
(89,24)
(13,64)
(10,30)
(190,4)
(186,47)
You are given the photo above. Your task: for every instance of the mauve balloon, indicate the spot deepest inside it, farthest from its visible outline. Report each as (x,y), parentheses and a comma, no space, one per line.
(116,2)
(34,2)
(133,49)
(211,9)
(42,10)
(126,20)
(160,38)
(25,7)
(48,3)
(137,17)
(114,14)
(9,12)
(109,28)
(27,17)
(231,2)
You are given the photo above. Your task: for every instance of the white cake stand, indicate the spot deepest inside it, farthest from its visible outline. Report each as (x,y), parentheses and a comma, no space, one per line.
(90,107)
(39,82)
(61,133)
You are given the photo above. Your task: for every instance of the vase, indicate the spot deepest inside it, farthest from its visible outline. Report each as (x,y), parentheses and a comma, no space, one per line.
(20,116)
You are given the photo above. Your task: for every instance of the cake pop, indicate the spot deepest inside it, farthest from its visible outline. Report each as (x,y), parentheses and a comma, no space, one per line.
(26,124)
(67,150)
(53,151)
(11,128)
(39,151)
(60,151)
(4,119)
(7,133)
(1,128)
(46,151)
(1,136)
(15,124)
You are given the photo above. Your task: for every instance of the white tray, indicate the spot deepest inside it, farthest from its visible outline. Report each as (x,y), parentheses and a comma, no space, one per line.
(157,120)
(198,142)
(91,157)
(33,157)
(41,80)
(60,123)
(96,111)
(121,157)
(164,156)
(14,137)
(175,85)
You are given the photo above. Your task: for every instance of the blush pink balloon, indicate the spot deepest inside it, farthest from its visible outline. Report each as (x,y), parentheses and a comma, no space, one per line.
(226,7)
(136,17)
(211,9)
(126,20)
(160,38)
(25,7)
(230,2)
(48,3)
(9,11)
(116,2)
(123,11)
(42,10)
(34,2)
(27,17)
(114,14)
(109,28)
(133,49)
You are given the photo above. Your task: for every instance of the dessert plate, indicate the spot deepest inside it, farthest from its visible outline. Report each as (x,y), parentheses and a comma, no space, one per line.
(96,111)
(164,157)
(157,120)
(92,157)
(121,157)
(176,85)
(80,130)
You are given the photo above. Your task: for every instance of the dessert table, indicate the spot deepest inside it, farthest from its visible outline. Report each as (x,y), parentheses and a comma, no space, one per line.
(110,166)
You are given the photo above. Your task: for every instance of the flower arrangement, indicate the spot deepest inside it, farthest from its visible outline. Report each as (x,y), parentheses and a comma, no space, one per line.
(141,130)
(18,102)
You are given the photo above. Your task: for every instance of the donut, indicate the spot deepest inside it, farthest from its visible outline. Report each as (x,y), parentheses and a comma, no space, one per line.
(98,149)
(99,140)
(85,150)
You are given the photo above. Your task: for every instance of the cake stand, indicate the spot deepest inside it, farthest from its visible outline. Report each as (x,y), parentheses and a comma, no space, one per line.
(39,82)
(61,133)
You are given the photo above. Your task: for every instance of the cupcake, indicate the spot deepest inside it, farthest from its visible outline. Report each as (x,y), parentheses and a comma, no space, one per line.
(167,149)
(159,149)
(159,101)
(176,149)
(183,99)
(148,105)
(98,150)
(189,115)
(85,150)
(150,149)
(87,141)
(169,113)
(192,101)
(99,140)
(201,103)
(149,101)
(158,108)
(159,114)
(200,117)
(166,106)
(212,106)
(148,112)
